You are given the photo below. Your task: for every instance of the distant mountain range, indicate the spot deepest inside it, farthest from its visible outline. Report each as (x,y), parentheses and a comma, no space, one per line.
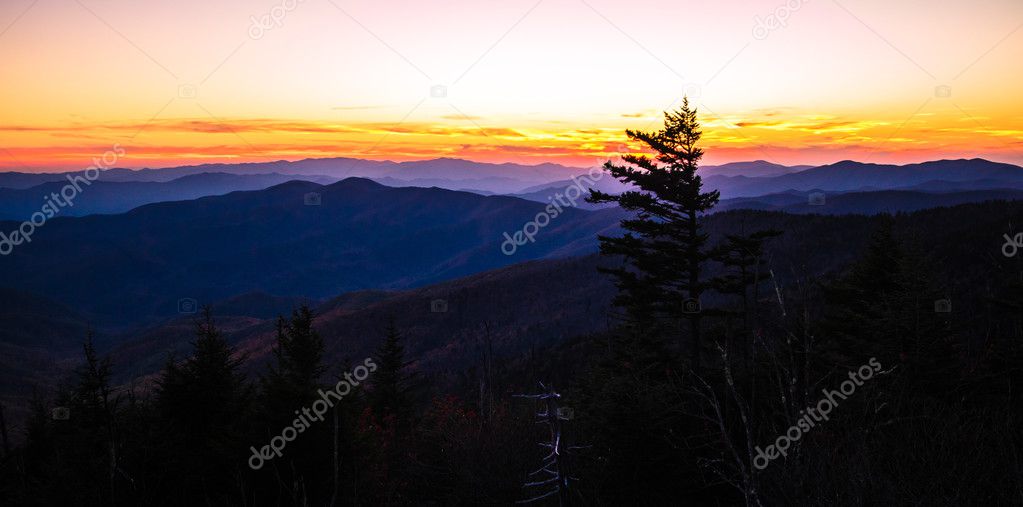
(547,193)
(754,169)
(107,197)
(363,235)
(855,176)
(120,190)
(446,172)
(759,183)
(355,235)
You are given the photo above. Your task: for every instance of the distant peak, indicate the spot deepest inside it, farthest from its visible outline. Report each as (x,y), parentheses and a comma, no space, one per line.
(848,164)
(357,182)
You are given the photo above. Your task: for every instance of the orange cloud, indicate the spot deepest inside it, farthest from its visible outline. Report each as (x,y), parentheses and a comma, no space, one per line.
(783,136)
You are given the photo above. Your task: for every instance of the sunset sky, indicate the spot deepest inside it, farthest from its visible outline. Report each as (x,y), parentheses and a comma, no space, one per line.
(189,81)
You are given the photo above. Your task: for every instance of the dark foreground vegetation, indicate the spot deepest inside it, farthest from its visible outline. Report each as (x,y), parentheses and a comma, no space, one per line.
(711,360)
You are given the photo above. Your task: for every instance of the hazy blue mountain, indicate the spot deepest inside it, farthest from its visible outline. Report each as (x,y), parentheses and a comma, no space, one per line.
(538,182)
(445,172)
(482,186)
(548,192)
(753,169)
(362,235)
(117,197)
(335,167)
(850,176)
(756,168)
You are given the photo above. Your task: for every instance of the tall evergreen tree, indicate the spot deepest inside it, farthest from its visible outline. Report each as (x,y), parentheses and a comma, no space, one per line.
(864,305)
(391,428)
(204,404)
(392,383)
(72,451)
(94,407)
(292,384)
(295,378)
(664,246)
(887,307)
(742,256)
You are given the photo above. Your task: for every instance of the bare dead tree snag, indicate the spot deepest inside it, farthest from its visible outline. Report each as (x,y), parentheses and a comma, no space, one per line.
(552,477)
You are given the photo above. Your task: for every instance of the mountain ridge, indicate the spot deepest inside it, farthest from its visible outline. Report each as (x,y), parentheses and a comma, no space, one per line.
(358,235)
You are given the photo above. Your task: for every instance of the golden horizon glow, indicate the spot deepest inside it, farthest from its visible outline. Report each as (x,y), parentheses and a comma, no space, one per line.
(525,81)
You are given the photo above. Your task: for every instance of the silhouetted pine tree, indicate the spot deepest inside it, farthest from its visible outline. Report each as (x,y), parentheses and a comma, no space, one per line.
(664,247)
(94,445)
(293,381)
(304,472)
(350,449)
(391,427)
(72,450)
(860,315)
(742,256)
(204,406)
(392,383)
(885,307)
